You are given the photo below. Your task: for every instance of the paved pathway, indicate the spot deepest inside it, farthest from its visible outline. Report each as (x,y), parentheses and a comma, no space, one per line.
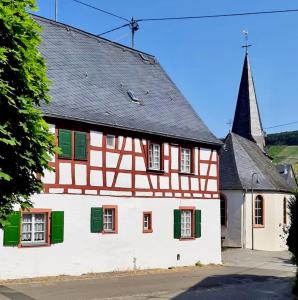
(258,259)
(251,281)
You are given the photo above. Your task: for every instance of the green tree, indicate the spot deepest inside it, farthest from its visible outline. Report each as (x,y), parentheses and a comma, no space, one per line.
(25,141)
(292,240)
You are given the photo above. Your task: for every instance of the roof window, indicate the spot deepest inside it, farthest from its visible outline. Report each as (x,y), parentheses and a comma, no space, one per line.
(133,96)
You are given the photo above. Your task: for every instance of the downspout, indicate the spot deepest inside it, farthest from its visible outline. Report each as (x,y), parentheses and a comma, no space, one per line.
(244,220)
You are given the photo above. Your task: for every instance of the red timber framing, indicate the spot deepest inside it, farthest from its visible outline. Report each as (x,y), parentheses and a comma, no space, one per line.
(167,182)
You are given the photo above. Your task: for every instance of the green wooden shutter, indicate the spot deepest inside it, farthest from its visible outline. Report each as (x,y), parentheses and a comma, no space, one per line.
(57,227)
(65,143)
(96,222)
(12,230)
(177,224)
(80,145)
(198,218)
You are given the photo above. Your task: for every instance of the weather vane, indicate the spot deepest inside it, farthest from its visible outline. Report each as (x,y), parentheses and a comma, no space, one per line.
(246,41)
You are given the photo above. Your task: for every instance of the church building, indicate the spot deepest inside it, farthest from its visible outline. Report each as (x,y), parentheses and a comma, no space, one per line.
(254,195)
(136,184)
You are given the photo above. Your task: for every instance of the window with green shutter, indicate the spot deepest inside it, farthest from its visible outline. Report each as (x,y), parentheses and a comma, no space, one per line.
(65,143)
(198,218)
(96,220)
(177,224)
(80,145)
(57,227)
(12,230)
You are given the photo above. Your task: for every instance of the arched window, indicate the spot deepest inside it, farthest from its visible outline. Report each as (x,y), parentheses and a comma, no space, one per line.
(223,211)
(259,210)
(285,210)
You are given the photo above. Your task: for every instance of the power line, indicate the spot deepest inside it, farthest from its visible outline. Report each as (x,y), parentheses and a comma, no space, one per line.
(101,10)
(215,16)
(281,125)
(114,29)
(219,15)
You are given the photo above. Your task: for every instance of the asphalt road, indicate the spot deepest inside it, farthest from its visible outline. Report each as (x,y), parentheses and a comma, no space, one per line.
(196,283)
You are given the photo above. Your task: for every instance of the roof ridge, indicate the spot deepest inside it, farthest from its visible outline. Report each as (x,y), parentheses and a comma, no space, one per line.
(92,35)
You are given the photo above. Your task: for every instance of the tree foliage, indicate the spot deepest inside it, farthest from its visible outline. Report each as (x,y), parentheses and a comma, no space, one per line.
(289,138)
(25,141)
(292,240)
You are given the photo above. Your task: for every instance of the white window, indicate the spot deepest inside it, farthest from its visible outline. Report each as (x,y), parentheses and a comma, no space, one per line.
(186,223)
(146,222)
(34,228)
(111,141)
(109,220)
(185,160)
(259,211)
(154,156)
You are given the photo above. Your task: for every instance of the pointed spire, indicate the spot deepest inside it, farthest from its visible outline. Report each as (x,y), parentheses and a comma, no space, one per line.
(247,121)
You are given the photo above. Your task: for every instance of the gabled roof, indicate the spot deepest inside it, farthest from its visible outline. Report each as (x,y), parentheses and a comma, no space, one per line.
(239,159)
(247,121)
(97,81)
(287,172)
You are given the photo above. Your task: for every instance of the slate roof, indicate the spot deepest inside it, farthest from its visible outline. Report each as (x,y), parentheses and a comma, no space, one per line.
(239,159)
(247,121)
(91,77)
(286,171)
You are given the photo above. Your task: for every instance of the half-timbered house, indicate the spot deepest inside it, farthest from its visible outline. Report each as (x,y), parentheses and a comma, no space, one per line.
(136,181)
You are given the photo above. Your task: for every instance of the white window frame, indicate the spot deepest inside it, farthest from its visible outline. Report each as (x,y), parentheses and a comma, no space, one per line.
(109,225)
(33,230)
(186,224)
(146,224)
(185,160)
(154,156)
(259,211)
(111,137)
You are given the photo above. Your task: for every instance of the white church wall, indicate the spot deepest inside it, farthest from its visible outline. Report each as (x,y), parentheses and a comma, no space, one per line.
(270,237)
(83,251)
(232,232)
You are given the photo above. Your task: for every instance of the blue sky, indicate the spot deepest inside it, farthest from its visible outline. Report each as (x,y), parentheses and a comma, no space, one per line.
(204,57)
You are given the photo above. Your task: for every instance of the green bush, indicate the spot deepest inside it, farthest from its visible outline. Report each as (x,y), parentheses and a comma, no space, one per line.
(293,234)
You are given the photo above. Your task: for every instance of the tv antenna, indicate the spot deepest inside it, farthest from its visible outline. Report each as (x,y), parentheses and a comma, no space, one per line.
(56,10)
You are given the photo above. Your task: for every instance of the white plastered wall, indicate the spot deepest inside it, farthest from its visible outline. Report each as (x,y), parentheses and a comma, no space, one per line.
(83,251)
(270,237)
(232,231)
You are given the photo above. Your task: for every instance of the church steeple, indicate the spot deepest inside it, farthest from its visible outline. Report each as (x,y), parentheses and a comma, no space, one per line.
(247,121)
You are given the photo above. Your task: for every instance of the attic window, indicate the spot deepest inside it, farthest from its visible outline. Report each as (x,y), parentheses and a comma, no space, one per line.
(133,96)
(147,59)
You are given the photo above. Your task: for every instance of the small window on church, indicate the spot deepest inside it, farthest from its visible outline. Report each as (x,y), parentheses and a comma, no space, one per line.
(259,211)
(223,211)
(285,211)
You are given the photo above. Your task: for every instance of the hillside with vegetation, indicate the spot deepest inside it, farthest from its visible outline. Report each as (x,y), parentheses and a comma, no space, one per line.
(283,148)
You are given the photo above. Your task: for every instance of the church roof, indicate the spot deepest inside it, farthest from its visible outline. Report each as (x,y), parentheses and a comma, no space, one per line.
(287,172)
(100,82)
(239,159)
(247,121)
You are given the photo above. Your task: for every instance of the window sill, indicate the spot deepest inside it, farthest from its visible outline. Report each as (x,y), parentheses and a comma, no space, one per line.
(147,230)
(109,232)
(187,239)
(186,173)
(258,226)
(155,171)
(34,245)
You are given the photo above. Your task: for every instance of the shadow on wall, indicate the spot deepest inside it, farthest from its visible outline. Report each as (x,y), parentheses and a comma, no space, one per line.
(12,294)
(235,286)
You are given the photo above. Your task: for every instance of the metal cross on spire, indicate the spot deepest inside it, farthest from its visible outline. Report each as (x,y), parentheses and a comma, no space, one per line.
(246,46)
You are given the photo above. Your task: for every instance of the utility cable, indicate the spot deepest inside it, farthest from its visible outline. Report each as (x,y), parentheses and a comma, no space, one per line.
(101,10)
(295,122)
